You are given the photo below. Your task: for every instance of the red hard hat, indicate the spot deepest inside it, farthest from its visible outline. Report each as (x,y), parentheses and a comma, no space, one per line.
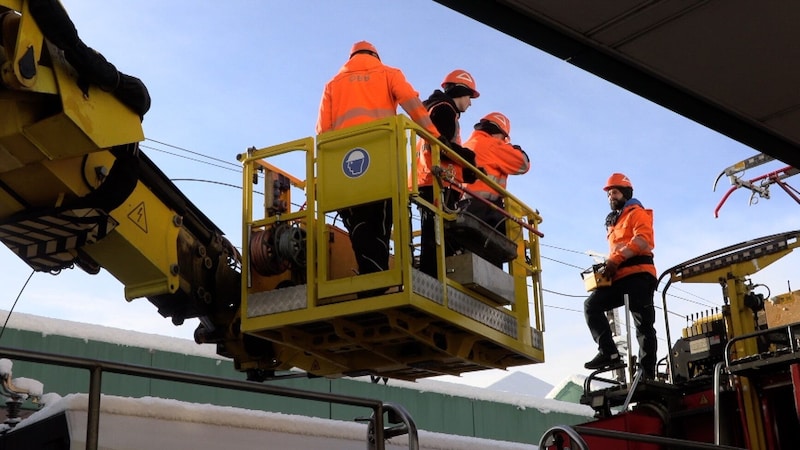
(500,120)
(617,180)
(363,46)
(463,78)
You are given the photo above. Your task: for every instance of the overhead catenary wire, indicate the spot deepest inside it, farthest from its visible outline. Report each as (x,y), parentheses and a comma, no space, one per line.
(562,294)
(585,295)
(188,158)
(706,302)
(687,292)
(2,330)
(212,158)
(562,249)
(231,166)
(563,308)
(563,263)
(202,180)
(576,311)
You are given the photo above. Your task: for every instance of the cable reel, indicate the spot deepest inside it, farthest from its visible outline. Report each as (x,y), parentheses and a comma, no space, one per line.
(278,249)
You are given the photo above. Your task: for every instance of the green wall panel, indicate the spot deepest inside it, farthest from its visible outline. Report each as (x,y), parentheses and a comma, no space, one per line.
(515,423)
(431,411)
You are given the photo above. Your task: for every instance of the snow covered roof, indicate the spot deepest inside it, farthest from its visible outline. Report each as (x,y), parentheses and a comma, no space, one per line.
(91,332)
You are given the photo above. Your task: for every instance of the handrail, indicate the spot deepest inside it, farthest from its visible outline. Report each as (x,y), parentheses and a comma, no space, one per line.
(405,425)
(717,390)
(718,259)
(573,435)
(637,377)
(650,439)
(587,383)
(443,149)
(97,367)
(576,433)
(793,348)
(491,205)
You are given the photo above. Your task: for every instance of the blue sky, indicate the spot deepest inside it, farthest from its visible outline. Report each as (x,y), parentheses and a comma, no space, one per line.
(225,77)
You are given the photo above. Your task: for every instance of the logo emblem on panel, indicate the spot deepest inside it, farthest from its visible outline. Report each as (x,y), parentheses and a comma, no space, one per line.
(355,162)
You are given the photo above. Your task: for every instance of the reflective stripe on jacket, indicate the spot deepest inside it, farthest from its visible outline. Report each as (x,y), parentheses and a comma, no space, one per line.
(425,166)
(630,236)
(498,158)
(365,90)
(445,115)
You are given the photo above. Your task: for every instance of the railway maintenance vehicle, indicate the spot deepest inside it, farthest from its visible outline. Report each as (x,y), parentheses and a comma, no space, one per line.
(77,191)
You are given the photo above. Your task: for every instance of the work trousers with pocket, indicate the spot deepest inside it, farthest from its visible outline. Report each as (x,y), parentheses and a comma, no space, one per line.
(640,288)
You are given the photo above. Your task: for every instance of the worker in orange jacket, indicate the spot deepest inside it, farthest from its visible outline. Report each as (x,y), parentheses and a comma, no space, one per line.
(365,90)
(445,107)
(498,159)
(630,268)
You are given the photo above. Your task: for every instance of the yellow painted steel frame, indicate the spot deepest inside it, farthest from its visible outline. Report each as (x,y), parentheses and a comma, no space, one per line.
(400,334)
(50,133)
(732,277)
(142,252)
(80,123)
(28,41)
(251,162)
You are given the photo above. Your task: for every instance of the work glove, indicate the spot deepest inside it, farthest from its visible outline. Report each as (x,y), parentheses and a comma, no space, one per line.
(468,175)
(463,152)
(448,144)
(610,269)
(443,140)
(517,147)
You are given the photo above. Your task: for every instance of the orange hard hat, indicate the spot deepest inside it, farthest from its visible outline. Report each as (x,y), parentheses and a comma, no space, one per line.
(500,120)
(363,46)
(463,78)
(618,180)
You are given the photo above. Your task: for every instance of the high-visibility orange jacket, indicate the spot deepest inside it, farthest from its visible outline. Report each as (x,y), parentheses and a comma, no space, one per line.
(632,236)
(445,115)
(365,90)
(498,158)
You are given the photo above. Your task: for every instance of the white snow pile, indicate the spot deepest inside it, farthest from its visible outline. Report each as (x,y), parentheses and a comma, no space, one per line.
(178,411)
(49,326)
(23,387)
(91,332)
(522,402)
(5,367)
(30,386)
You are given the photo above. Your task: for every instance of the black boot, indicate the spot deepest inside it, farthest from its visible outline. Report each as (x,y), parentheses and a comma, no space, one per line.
(603,360)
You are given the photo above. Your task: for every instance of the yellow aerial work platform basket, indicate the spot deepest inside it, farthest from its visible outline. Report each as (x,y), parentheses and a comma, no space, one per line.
(302,290)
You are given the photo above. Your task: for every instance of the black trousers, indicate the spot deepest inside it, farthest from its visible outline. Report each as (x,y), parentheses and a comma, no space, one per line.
(640,288)
(370,227)
(427,256)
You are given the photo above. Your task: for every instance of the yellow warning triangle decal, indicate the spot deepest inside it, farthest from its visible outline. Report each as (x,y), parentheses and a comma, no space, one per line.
(138,216)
